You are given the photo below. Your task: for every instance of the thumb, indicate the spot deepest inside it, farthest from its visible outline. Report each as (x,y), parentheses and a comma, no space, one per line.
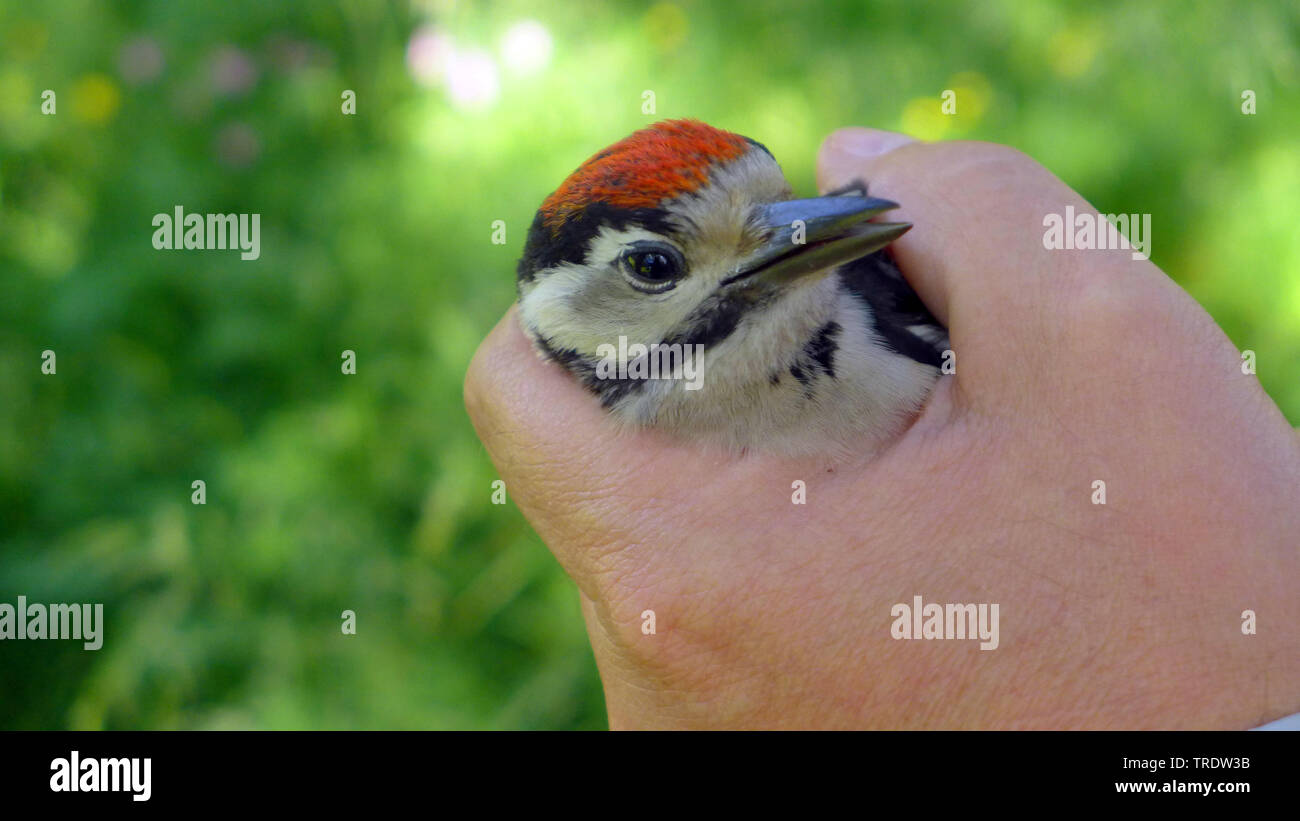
(977,255)
(844,153)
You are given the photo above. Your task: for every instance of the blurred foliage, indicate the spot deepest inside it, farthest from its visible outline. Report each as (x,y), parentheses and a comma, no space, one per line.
(328,492)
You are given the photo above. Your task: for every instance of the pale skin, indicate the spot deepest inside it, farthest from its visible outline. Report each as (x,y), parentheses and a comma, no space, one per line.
(1072,367)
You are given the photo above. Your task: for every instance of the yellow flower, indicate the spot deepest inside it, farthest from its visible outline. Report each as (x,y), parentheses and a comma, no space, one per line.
(95,99)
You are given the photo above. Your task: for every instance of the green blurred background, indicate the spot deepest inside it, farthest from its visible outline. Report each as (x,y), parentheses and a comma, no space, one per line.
(370,492)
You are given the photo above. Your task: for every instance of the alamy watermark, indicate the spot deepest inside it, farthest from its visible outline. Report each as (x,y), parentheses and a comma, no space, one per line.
(946,621)
(1087,231)
(81,622)
(659,360)
(77,774)
(179,231)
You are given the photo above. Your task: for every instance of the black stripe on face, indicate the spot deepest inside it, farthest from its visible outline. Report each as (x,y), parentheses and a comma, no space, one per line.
(714,319)
(817,355)
(821,348)
(546,248)
(609,390)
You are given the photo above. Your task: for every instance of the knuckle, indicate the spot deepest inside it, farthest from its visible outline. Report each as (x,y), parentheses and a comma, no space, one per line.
(1110,309)
(979,163)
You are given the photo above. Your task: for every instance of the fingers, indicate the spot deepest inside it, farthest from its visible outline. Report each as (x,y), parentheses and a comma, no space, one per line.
(979,211)
(586,486)
(615,506)
(542,433)
(977,254)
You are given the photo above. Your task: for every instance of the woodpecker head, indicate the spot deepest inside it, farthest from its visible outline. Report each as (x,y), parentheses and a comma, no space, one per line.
(683,234)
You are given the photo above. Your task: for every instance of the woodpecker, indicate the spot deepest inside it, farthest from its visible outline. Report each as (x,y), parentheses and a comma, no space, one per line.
(685,235)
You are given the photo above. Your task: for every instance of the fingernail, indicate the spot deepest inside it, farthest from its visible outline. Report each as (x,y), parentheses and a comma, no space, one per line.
(862,143)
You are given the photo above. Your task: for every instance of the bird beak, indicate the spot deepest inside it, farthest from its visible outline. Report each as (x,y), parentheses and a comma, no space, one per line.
(818,234)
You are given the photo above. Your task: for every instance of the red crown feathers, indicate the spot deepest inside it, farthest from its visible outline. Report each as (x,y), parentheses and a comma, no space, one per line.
(666,160)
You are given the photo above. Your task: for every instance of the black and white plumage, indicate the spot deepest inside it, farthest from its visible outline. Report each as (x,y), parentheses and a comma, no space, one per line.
(901,319)
(683,235)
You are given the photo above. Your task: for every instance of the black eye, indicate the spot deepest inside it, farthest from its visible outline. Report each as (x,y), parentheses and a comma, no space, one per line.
(652,267)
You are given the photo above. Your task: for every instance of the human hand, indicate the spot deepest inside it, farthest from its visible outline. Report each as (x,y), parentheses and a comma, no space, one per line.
(1072,367)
